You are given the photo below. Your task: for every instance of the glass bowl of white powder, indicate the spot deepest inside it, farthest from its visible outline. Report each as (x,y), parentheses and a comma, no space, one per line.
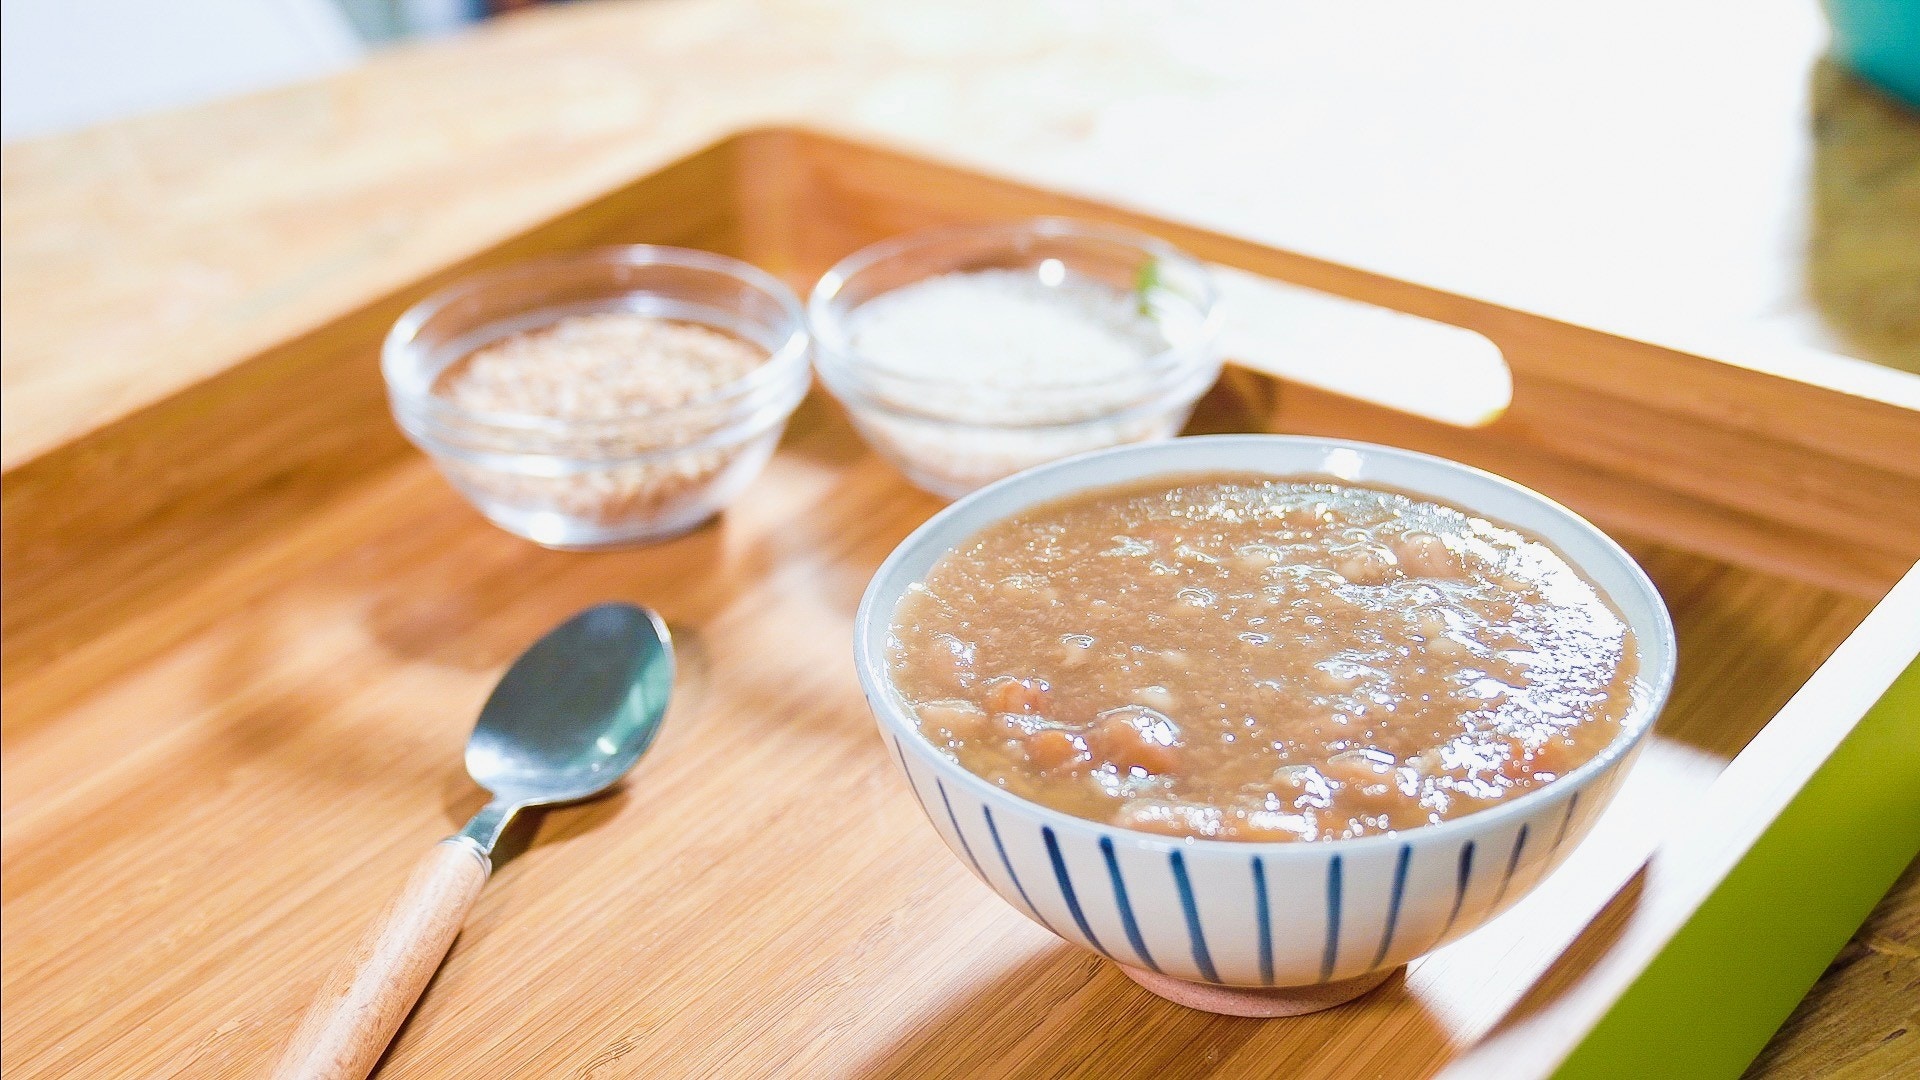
(970,353)
(601,398)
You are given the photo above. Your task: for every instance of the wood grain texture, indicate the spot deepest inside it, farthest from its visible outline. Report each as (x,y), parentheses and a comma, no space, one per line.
(763,899)
(178,486)
(347,1027)
(258,703)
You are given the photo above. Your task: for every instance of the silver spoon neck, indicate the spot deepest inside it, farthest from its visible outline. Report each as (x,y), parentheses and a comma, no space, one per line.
(484,830)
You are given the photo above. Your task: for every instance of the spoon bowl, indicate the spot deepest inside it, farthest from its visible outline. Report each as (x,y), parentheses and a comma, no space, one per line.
(571,715)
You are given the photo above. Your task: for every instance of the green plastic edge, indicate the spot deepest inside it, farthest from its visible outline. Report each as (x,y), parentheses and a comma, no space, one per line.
(1712,998)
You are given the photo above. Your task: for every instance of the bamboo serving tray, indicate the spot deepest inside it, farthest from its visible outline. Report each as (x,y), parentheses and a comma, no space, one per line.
(246,632)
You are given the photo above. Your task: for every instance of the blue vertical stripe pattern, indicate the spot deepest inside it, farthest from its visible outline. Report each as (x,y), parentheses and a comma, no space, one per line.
(1333,920)
(1265,918)
(994,830)
(1126,906)
(1067,893)
(1460,887)
(1128,914)
(1202,958)
(1573,803)
(912,785)
(1513,863)
(1393,903)
(955,821)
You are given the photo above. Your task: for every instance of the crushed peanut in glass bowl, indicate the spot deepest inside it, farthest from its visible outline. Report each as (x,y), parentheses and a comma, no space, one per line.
(601,398)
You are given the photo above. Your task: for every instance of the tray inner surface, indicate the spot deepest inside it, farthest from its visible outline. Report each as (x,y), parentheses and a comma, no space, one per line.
(247,629)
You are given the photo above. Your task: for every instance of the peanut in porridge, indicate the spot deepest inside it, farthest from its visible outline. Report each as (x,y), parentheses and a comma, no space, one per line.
(1238,657)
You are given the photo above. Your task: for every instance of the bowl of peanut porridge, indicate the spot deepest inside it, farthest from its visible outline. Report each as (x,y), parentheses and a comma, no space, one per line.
(1261,718)
(601,398)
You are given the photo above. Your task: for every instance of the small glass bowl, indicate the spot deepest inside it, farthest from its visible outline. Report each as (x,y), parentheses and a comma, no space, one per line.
(932,428)
(583,484)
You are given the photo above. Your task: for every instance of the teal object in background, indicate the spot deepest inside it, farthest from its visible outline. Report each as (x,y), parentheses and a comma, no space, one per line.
(1880,41)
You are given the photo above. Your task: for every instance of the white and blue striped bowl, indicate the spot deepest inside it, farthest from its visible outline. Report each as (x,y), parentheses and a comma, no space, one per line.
(1254,915)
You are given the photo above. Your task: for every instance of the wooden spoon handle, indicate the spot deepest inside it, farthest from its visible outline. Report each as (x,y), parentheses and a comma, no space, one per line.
(348,1026)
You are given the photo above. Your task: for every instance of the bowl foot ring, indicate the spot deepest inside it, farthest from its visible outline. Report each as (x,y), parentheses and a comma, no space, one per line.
(1263,1002)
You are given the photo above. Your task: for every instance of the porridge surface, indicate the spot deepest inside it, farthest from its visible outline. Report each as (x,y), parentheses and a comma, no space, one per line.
(1239,657)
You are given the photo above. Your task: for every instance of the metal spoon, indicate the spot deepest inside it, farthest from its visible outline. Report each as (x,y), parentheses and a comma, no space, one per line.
(566,721)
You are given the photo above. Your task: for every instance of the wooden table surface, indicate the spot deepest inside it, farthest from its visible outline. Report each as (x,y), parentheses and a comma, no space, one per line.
(1768,215)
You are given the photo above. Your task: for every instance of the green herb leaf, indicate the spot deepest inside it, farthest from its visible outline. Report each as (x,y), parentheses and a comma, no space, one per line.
(1145,281)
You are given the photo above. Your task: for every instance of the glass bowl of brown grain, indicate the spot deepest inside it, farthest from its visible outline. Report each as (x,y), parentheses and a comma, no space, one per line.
(600,398)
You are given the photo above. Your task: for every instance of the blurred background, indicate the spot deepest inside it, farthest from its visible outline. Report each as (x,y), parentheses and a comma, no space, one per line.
(1663,170)
(69,63)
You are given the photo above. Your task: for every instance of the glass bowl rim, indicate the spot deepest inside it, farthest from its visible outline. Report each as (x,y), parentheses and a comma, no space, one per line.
(834,353)
(783,363)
